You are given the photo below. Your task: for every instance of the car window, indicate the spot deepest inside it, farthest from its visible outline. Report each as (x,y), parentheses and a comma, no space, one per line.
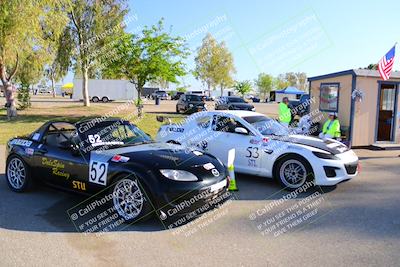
(236,100)
(194,98)
(59,132)
(267,126)
(226,124)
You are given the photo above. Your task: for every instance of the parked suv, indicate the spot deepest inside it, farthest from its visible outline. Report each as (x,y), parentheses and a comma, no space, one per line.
(160,94)
(190,104)
(233,103)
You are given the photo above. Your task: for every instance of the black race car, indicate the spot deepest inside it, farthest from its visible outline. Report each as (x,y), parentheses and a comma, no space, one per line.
(115,156)
(190,103)
(233,103)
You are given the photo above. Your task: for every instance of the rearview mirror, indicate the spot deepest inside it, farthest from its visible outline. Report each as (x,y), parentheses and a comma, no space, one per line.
(241,130)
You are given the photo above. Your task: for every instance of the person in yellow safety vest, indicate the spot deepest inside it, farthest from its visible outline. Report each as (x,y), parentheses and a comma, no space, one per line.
(285,116)
(331,128)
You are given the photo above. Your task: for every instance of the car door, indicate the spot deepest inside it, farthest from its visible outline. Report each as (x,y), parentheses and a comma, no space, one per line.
(247,146)
(60,164)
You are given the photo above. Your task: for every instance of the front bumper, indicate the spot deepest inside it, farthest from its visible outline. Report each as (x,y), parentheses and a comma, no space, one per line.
(332,172)
(188,203)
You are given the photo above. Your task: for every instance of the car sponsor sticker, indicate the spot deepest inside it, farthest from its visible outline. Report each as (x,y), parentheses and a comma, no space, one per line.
(197,153)
(208,166)
(36,136)
(29,151)
(215,172)
(21,142)
(119,158)
(175,129)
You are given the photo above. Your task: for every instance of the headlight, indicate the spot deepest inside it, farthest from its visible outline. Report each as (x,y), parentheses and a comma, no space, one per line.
(322,155)
(190,105)
(179,175)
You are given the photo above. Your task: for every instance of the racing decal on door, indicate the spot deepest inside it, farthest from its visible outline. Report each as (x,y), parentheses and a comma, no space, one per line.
(98,172)
(252,155)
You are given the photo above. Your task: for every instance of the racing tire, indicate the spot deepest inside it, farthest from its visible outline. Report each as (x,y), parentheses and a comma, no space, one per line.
(95,99)
(293,172)
(177,110)
(105,99)
(130,199)
(18,175)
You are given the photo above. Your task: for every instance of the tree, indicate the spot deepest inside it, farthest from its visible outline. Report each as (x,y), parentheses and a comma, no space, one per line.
(243,87)
(372,67)
(205,63)
(22,24)
(152,55)
(60,49)
(224,67)
(93,26)
(30,72)
(296,79)
(265,83)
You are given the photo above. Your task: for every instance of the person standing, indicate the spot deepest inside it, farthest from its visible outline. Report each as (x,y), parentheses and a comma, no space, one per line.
(285,115)
(331,128)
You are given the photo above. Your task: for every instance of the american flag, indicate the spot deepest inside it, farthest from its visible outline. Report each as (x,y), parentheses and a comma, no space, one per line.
(385,65)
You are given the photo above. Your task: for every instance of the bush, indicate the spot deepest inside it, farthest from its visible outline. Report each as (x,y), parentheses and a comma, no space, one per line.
(24,98)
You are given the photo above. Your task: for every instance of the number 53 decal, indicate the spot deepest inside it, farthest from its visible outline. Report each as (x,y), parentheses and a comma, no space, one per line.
(252,152)
(98,172)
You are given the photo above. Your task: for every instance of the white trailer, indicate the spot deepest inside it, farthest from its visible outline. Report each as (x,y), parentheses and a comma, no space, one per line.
(105,90)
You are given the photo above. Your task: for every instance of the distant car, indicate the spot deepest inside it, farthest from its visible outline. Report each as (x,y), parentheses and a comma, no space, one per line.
(115,156)
(190,104)
(177,95)
(44,90)
(233,103)
(160,94)
(301,106)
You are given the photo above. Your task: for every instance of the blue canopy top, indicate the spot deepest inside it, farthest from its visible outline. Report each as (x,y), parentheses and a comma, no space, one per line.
(290,90)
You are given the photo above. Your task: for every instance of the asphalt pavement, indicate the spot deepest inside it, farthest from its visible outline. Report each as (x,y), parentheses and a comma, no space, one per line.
(356,223)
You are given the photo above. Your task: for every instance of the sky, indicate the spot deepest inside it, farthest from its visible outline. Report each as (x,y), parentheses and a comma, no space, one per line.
(311,36)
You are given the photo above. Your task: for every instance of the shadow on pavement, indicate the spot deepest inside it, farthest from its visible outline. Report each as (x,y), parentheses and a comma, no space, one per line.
(44,209)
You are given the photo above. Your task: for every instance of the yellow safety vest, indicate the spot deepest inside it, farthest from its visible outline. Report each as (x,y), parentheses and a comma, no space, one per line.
(332,128)
(284,113)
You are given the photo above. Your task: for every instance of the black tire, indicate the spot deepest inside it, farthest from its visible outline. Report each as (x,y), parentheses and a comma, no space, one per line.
(177,109)
(142,209)
(293,171)
(16,167)
(95,99)
(105,99)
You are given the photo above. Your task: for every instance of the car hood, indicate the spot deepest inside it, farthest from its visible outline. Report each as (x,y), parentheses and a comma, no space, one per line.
(328,145)
(161,155)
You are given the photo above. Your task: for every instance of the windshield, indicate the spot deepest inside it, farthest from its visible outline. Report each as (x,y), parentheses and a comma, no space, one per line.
(267,126)
(236,100)
(194,98)
(115,134)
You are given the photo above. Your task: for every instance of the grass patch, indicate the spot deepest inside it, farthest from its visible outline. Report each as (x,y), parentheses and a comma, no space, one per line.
(31,119)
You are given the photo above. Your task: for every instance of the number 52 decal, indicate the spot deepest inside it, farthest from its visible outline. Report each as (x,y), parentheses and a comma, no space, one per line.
(252,152)
(98,172)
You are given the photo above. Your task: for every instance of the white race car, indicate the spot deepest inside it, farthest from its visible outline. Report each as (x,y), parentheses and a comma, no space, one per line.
(264,147)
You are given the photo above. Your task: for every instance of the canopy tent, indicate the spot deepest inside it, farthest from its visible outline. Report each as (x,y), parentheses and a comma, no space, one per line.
(68,86)
(290,90)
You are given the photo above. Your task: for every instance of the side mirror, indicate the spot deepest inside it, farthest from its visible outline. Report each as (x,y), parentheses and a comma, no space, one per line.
(241,130)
